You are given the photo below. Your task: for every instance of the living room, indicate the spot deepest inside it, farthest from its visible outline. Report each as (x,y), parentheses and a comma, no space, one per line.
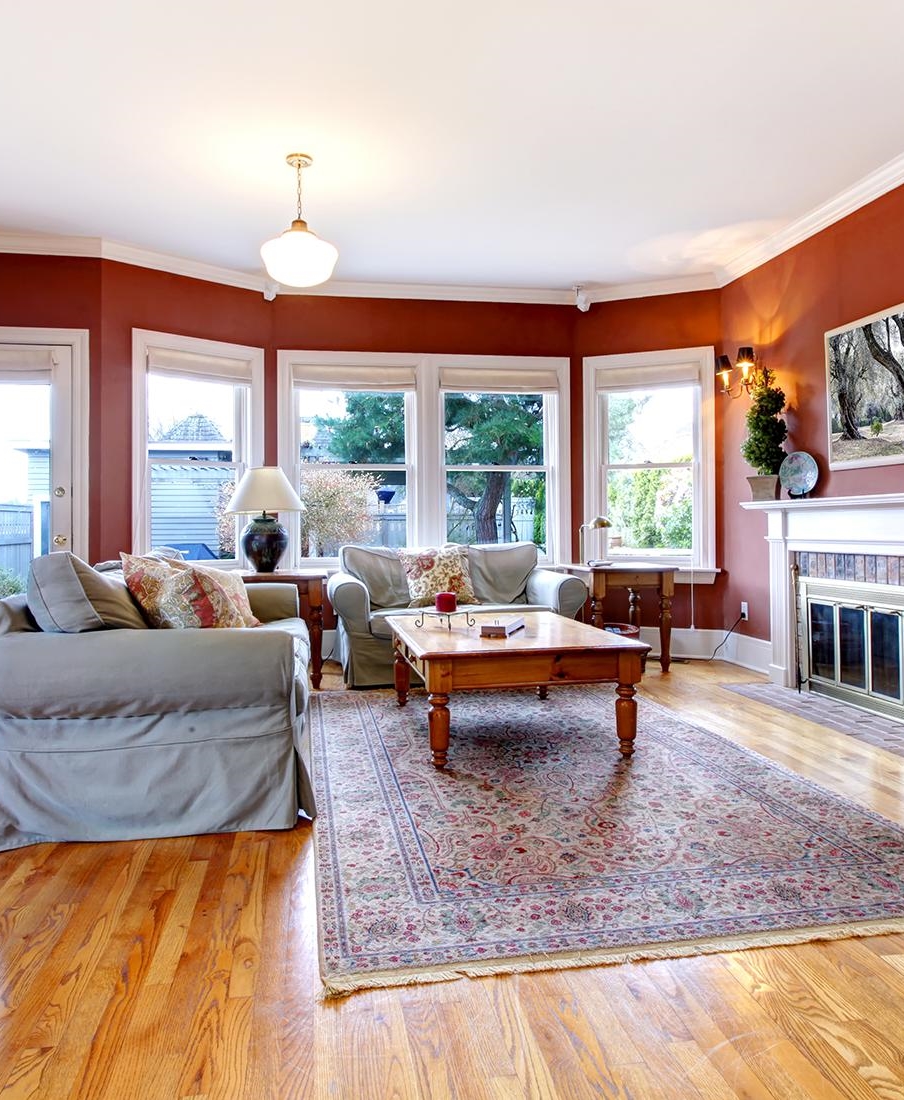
(151,966)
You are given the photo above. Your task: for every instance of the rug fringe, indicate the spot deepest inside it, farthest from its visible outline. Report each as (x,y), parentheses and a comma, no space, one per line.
(340,987)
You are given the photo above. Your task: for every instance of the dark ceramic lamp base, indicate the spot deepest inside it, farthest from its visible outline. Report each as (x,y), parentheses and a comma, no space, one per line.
(264,541)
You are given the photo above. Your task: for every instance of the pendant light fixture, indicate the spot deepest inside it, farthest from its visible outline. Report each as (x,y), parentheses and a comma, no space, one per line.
(299,257)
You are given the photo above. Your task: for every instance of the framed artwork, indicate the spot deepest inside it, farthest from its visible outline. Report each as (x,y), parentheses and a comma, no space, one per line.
(865,391)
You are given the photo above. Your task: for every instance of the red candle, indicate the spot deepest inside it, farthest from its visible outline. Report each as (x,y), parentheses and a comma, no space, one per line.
(446,602)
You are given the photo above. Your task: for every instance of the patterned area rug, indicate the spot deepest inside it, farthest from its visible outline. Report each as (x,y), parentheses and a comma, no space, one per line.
(539,847)
(873,729)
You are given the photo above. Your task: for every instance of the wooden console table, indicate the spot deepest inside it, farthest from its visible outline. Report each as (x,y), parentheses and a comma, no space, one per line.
(633,575)
(310,584)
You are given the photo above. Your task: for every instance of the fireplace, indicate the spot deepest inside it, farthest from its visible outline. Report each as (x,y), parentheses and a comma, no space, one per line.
(850,634)
(836,596)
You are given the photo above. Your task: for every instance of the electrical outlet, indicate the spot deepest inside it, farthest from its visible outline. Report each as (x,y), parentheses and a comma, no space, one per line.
(744,615)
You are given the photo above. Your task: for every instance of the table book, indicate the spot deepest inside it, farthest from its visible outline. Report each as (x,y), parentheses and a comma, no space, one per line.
(502,628)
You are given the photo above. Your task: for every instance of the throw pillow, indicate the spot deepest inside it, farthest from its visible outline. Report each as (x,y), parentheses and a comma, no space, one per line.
(178,598)
(67,596)
(231,583)
(437,569)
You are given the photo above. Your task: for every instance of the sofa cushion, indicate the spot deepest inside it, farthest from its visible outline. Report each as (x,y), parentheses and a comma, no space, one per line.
(500,572)
(380,571)
(435,569)
(15,616)
(179,598)
(67,596)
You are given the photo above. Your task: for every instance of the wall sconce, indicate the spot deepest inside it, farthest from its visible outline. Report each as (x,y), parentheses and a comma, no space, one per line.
(594,525)
(745,363)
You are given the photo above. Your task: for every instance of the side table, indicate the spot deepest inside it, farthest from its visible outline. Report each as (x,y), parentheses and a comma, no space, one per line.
(633,575)
(310,584)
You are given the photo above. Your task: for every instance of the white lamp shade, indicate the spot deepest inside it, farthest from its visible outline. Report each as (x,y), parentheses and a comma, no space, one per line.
(299,257)
(264,489)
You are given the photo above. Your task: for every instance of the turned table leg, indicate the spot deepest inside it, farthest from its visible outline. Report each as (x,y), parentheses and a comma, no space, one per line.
(438,724)
(626,718)
(665,632)
(402,673)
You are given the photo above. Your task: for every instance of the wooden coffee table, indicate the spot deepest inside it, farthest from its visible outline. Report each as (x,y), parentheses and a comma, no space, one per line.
(450,655)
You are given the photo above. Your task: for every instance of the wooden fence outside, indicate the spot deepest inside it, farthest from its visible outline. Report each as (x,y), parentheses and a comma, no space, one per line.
(16,538)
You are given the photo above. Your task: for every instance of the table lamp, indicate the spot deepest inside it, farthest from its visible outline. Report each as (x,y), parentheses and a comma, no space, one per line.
(593,525)
(264,489)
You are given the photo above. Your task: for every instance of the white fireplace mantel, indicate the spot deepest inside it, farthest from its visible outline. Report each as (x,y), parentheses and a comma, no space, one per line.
(835,525)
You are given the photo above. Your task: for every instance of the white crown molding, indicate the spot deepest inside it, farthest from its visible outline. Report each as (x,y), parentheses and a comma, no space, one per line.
(871,187)
(176,265)
(99,248)
(429,292)
(883,180)
(677,284)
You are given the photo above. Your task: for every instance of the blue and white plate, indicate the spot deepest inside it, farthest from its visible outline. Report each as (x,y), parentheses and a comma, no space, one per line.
(798,473)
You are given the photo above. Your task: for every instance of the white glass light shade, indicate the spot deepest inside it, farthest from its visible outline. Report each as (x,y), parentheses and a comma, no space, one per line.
(299,257)
(264,489)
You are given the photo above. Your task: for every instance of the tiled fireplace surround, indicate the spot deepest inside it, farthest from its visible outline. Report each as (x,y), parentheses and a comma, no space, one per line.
(855,539)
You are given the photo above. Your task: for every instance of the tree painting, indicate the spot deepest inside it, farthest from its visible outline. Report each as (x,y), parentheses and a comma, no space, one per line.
(865,378)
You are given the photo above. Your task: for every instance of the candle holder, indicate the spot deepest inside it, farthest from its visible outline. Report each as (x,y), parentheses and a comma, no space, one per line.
(444,617)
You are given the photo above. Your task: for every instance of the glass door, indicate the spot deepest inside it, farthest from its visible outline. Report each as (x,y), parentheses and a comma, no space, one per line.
(35,457)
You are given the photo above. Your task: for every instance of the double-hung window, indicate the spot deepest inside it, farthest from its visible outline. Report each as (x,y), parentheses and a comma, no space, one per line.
(650,459)
(350,450)
(500,437)
(197,424)
(417,450)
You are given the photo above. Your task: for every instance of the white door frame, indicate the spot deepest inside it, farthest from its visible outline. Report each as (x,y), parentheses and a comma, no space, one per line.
(70,413)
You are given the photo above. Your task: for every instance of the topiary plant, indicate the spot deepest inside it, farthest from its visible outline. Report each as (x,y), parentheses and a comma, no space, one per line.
(766,430)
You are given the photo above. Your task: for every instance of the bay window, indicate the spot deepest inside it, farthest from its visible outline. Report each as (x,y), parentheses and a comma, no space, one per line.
(415,450)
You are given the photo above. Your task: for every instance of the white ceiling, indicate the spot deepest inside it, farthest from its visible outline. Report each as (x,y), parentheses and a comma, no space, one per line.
(499,143)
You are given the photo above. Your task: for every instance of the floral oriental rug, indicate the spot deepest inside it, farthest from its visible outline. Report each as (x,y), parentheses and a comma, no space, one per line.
(539,847)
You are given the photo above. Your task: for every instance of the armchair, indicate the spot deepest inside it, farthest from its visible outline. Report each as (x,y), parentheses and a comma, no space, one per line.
(371,584)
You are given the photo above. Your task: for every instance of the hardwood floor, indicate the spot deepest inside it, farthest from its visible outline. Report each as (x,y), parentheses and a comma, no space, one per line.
(187,968)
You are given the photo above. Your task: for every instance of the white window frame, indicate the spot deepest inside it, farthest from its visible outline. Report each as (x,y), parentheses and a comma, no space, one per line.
(645,370)
(425,457)
(70,419)
(245,364)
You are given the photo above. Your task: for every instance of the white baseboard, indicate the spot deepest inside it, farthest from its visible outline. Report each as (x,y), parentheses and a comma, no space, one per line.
(738,649)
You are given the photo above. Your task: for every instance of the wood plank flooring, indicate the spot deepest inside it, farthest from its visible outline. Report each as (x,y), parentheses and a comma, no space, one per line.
(186,969)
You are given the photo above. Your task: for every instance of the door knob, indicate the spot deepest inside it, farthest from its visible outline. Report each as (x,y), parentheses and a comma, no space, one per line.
(60,540)
(59,491)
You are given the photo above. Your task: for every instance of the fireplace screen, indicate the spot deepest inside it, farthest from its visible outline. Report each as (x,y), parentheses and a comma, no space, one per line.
(854,648)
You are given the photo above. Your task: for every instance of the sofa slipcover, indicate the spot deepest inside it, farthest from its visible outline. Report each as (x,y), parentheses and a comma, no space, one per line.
(117,734)
(371,585)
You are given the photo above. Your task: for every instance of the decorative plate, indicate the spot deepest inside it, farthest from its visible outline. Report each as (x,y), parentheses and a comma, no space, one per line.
(798,473)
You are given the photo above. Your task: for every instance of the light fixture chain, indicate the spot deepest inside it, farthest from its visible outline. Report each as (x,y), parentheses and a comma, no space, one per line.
(298,169)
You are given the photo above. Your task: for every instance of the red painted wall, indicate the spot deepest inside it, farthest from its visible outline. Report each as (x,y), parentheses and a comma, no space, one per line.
(110,299)
(784,308)
(647,324)
(848,271)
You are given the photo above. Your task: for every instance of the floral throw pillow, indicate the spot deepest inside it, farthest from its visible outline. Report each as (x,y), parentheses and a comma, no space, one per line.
(178,598)
(437,569)
(231,583)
